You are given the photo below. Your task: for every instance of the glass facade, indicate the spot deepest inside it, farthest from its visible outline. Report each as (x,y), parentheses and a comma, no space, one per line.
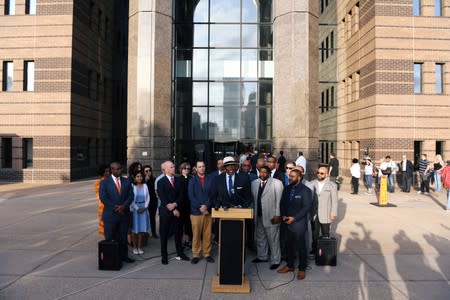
(222,78)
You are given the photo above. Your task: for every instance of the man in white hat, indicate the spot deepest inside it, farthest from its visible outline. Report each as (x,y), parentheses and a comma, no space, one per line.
(231,189)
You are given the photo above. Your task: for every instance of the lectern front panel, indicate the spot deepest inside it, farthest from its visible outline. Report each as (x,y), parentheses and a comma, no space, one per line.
(231,251)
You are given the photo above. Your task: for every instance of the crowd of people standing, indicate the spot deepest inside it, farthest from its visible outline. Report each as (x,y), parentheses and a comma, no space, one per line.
(290,213)
(404,174)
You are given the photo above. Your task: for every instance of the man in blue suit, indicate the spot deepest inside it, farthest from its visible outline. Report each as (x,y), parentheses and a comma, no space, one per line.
(296,202)
(169,193)
(231,189)
(116,193)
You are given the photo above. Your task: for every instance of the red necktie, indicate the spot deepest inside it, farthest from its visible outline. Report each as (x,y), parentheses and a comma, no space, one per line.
(118,184)
(172,182)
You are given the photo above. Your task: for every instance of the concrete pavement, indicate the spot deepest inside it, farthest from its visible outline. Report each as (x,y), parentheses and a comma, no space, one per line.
(48,250)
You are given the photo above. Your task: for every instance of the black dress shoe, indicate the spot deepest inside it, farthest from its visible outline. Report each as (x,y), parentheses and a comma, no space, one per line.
(184,257)
(209,259)
(128,260)
(257,260)
(274,266)
(195,260)
(164,261)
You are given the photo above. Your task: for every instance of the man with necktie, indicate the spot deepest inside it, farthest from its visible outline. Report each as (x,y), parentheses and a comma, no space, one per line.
(231,189)
(169,193)
(116,193)
(267,193)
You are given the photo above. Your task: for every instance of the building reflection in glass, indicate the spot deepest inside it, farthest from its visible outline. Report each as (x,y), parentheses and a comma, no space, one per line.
(222,78)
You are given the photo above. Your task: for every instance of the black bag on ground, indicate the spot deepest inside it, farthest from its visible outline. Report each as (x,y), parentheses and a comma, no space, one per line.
(109,255)
(326,254)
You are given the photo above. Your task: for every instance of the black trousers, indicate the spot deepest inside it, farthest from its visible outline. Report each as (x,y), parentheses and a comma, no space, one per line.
(116,228)
(295,241)
(152,208)
(355,184)
(406,182)
(319,228)
(283,240)
(165,224)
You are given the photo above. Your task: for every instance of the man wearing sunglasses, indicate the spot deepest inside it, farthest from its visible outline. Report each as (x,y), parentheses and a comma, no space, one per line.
(326,199)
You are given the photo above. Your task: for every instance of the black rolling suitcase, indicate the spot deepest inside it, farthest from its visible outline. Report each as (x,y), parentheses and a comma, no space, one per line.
(326,251)
(109,255)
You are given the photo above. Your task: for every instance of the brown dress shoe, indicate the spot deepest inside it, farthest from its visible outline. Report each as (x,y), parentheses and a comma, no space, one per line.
(285,270)
(301,275)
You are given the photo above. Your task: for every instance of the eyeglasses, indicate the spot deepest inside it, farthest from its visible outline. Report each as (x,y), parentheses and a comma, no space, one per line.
(186,168)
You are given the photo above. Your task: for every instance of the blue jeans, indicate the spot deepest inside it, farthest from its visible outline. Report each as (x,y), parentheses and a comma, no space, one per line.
(437,182)
(368,181)
(391,187)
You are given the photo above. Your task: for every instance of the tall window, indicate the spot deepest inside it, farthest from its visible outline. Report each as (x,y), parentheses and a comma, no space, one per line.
(10,7)
(416,7)
(438,8)
(8,72)
(417,78)
(223,71)
(27,150)
(28,84)
(6,152)
(30,7)
(439,75)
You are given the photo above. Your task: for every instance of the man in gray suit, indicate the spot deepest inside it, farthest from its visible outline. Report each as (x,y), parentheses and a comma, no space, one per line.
(326,200)
(267,192)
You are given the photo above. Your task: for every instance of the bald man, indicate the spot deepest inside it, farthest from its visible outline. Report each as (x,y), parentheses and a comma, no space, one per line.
(169,193)
(325,212)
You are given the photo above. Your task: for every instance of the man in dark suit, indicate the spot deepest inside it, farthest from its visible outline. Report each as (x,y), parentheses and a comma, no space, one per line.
(246,167)
(169,193)
(296,202)
(274,172)
(231,189)
(407,171)
(116,193)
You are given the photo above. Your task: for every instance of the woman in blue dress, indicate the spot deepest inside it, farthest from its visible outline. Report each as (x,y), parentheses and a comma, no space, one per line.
(139,209)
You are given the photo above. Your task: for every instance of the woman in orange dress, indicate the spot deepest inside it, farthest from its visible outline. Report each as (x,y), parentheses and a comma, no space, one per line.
(103,171)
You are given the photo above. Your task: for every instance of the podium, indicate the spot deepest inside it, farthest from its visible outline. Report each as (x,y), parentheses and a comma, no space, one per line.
(231,278)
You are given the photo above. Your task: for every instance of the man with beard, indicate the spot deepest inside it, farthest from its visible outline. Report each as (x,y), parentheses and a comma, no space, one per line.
(325,191)
(295,205)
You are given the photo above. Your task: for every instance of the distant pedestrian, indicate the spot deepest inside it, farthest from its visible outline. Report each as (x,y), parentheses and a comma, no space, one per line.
(333,169)
(301,160)
(424,183)
(407,170)
(355,170)
(437,167)
(281,162)
(445,176)
(368,171)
